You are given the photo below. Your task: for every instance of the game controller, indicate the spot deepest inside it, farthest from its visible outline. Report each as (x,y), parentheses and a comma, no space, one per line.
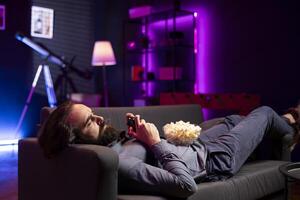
(131,122)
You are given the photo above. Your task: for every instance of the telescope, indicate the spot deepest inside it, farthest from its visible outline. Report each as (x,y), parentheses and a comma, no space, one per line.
(62,80)
(44,53)
(49,56)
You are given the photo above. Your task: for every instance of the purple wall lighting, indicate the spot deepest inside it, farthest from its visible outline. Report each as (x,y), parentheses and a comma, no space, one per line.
(147,61)
(154,31)
(203,75)
(2,17)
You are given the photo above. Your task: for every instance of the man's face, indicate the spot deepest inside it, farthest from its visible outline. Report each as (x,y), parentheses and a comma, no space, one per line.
(83,118)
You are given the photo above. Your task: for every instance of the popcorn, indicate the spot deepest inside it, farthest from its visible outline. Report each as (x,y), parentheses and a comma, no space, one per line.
(181,133)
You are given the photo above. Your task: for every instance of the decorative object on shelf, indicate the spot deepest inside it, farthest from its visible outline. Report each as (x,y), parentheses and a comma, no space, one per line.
(137,73)
(144,42)
(139,11)
(103,55)
(150,76)
(42,22)
(139,102)
(131,45)
(176,37)
(170,73)
(2,17)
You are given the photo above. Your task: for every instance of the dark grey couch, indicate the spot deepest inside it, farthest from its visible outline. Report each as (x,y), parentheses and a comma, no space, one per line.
(89,172)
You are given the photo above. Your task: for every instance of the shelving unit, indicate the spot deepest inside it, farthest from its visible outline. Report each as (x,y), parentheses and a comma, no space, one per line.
(159,55)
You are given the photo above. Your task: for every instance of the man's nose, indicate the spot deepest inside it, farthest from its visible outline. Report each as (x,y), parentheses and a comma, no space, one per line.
(99,119)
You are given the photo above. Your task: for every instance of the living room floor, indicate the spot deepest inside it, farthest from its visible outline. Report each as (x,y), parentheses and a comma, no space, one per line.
(8,172)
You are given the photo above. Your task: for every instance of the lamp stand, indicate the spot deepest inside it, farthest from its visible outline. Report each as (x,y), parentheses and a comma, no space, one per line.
(105,89)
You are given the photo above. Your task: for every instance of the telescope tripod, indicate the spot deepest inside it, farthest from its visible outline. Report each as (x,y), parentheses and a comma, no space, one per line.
(63,80)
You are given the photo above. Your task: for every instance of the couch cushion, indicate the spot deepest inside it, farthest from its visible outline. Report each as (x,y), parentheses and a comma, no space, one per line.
(255,180)
(139,197)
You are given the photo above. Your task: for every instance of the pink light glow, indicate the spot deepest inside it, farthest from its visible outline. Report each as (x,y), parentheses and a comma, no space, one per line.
(195,14)
(2,17)
(203,75)
(195,41)
(144,84)
(151,66)
(182,21)
(140,11)
(144,62)
(131,45)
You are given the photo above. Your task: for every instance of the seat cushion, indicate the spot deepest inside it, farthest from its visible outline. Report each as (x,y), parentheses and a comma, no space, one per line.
(255,180)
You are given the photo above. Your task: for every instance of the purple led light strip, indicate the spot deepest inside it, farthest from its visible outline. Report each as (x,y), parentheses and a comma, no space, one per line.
(201,49)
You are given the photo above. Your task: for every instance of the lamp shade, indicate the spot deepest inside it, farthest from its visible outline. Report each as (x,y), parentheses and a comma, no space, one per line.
(103,54)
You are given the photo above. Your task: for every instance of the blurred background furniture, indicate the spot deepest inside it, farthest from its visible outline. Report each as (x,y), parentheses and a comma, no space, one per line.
(161,47)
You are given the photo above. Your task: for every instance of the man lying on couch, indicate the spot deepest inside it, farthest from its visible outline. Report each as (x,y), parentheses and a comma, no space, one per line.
(158,165)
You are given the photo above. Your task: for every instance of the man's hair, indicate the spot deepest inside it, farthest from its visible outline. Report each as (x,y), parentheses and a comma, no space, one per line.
(55,133)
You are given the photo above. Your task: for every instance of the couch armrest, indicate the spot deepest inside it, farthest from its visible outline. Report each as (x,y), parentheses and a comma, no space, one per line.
(79,172)
(287,140)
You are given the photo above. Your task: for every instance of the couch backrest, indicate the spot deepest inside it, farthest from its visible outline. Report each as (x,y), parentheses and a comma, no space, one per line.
(159,115)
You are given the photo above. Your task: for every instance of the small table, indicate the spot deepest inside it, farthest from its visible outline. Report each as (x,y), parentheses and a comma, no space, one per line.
(291,171)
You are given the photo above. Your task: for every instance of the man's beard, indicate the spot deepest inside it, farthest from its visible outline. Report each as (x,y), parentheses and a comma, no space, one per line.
(108,135)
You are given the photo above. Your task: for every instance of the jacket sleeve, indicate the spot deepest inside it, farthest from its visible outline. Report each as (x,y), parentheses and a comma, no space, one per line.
(173,179)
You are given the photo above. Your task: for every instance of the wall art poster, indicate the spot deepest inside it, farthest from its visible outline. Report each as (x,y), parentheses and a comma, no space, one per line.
(42,22)
(2,17)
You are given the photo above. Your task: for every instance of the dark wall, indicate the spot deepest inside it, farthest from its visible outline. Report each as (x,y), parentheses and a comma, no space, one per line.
(14,66)
(73,36)
(254,48)
(109,26)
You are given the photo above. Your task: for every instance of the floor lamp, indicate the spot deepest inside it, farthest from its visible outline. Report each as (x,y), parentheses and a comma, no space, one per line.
(103,55)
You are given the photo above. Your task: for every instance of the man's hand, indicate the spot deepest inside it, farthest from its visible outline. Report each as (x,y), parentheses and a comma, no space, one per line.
(145,132)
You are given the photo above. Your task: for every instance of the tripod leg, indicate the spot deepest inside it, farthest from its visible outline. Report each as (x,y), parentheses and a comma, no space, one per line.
(35,80)
(49,87)
(70,81)
(57,85)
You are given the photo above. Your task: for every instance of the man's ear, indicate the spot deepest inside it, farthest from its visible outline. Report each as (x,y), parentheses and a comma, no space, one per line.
(72,136)
(79,137)
(66,132)
(76,136)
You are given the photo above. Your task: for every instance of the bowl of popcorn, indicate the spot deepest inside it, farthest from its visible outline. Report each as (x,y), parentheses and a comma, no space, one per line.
(181,133)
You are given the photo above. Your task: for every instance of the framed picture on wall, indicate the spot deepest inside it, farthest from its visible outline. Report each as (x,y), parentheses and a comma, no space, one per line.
(42,22)
(2,17)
